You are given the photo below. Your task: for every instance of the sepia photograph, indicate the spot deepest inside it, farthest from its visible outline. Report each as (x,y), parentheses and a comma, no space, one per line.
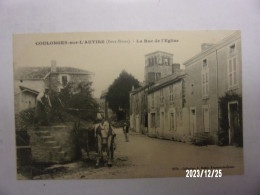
(113,105)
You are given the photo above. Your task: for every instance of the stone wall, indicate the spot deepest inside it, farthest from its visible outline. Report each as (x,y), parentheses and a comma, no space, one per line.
(52,144)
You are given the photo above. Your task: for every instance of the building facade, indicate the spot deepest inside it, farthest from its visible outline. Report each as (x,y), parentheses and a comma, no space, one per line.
(139,109)
(167,112)
(25,99)
(107,113)
(29,81)
(215,73)
(204,101)
(158,69)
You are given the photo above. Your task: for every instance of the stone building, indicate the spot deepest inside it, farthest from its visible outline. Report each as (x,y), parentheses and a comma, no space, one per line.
(24,99)
(107,113)
(58,77)
(167,112)
(190,104)
(157,65)
(213,73)
(139,109)
(31,80)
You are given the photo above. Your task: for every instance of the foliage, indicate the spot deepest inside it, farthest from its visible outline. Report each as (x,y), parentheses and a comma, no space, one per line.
(73,102)
(76,100)
(118,94)
(223,135)
(24,119)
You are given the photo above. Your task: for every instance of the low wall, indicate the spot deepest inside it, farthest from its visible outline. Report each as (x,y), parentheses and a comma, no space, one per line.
(53,144)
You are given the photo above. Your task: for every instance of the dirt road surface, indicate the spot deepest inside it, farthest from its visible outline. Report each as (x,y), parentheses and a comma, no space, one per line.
(144,156)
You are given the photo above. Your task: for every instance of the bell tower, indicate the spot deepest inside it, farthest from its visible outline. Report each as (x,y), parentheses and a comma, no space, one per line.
(157,65)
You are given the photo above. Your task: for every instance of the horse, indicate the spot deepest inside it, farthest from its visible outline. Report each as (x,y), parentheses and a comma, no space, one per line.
(105,142)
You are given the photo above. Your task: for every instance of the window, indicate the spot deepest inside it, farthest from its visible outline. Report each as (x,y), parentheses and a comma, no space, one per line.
(153,61)
(205,79)
(205,112)
(64,79)
(162,121)
(171,94)
(158,76)
(232,49)
(149,62)
(161,96)
(172,120)
(232,69)
(152,97)
(151,76)
(166,61)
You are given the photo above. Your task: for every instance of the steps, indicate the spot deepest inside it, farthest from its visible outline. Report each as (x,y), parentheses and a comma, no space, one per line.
(43,133)
(46,149)
(47,138)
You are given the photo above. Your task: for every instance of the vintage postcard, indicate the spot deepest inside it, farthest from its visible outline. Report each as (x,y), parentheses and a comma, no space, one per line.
(101,105)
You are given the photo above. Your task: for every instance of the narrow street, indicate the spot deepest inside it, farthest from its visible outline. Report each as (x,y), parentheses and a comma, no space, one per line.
(143,156)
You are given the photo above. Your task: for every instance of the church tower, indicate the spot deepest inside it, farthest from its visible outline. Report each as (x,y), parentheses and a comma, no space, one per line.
(158,64)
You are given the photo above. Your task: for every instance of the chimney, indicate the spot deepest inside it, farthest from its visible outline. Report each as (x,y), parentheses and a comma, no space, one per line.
(205,46)
(175,68)
(53,66)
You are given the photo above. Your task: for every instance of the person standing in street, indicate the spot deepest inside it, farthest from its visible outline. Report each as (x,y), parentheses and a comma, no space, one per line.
(126,131)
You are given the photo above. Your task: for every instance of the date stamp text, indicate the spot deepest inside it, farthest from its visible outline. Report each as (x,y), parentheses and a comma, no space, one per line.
(211,173)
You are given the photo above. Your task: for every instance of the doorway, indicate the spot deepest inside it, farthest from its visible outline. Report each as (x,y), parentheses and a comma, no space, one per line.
(192,121)
(137,124)
(233,119)
(162,124)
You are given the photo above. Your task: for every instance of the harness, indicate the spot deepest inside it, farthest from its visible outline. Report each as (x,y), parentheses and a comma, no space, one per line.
(104,134)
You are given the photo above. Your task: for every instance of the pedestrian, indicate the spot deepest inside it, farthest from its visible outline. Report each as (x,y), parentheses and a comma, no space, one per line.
(126,131)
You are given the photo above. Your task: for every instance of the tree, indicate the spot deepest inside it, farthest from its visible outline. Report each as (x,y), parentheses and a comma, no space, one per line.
(77,99)
(118,94)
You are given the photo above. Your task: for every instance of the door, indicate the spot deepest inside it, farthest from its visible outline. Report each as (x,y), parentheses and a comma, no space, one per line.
(205,111)
(137,124)
(146,122)
(153,127)
(233,122)
(192,121)
(161,124)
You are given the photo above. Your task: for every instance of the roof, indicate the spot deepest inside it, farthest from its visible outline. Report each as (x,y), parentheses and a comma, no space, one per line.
(167,81)
(23,88)
(236,35)
(26,89)
(159,52)
(161,83)
(21,73)
(140,88)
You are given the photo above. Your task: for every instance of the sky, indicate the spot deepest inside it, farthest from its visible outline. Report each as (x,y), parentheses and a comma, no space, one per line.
(106,54)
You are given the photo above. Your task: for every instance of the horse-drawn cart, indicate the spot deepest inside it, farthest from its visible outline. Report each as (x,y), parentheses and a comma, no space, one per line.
(90,140)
